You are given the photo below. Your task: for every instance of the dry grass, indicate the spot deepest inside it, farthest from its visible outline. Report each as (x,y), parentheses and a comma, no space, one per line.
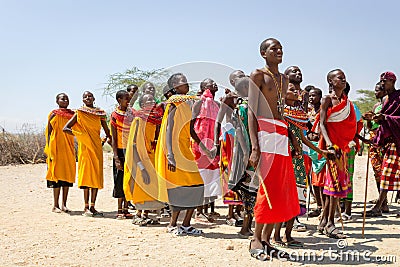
(25,147)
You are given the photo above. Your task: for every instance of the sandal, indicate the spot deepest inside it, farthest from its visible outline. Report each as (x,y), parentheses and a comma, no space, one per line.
(128,215)
(294,244)
(279,243)
(239,222)
(130,206)
(230,222)
(374,201)
(298,226)
(138,221)
(333,232)
(346,217)
(274,252)
(97,214)
(216,214)
(175,230)
(56,210)
(258,253)
(385,209)
(190,230)
(245,236)
(314,213)
(120,216)
(320,228)
(66,210)
(203,218)
(373,213)
(150,221)
(87,213)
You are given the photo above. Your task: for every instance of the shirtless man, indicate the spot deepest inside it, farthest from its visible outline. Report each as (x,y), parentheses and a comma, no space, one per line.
(277,199)
(296,77)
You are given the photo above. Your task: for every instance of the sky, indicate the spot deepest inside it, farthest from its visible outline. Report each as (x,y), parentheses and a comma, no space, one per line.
(51,46)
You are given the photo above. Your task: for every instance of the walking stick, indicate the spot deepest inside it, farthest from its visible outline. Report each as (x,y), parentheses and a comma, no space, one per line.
(265,191)
(366,190)
(309,194)
(340,214)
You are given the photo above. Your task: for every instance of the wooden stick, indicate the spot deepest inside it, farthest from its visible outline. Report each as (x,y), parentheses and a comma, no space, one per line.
(365,195)
(340,214)
(265,191)
(309,193)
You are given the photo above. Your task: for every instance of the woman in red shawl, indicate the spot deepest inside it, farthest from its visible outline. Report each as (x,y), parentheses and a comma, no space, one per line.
(338,126)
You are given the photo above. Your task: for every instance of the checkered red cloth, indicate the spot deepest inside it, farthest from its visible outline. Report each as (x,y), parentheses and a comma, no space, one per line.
(390,178)
(376,156)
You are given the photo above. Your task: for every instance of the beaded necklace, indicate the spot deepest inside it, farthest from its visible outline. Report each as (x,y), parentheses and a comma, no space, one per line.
(95,111)
(296,116)
(181,98)
(279,90)
(64,112)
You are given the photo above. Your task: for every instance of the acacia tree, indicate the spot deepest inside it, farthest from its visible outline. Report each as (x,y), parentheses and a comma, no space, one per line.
(366,100)
(120,80)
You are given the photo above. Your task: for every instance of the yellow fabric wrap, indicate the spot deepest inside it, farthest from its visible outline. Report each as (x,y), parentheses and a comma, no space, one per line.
(90,152)
(134,188)
(187,172)
(60,151)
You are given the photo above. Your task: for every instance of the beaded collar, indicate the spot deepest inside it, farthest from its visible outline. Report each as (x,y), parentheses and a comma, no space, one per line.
(95,111)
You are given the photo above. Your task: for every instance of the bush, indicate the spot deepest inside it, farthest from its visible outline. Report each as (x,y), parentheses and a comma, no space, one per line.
(22,148)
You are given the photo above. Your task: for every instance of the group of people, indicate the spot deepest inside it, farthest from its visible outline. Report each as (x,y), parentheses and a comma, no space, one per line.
(262,147)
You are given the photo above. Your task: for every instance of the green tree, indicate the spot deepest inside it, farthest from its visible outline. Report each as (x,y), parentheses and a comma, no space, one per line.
(120,80)
(366,100)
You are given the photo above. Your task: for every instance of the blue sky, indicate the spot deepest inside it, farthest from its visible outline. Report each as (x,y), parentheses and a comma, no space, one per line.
(71,46)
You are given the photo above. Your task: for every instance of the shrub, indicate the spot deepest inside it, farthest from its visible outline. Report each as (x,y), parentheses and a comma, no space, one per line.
(22,148)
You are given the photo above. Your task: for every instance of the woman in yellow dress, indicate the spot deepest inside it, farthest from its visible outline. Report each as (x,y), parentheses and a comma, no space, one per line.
(86,125)
(140,177)
(180,183)
(60,151)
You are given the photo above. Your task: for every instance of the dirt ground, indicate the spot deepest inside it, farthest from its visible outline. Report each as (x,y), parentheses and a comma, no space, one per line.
(30,234)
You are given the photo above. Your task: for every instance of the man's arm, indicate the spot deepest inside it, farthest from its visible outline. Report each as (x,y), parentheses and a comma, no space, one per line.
(254,96)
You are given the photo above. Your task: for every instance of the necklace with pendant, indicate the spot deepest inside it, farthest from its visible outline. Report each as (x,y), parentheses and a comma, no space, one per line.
(279,91)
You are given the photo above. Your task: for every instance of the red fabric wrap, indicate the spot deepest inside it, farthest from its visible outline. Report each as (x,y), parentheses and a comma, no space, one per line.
(278,175)
(342,132)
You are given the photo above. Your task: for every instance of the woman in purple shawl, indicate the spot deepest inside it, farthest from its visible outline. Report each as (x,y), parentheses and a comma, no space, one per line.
(388,137)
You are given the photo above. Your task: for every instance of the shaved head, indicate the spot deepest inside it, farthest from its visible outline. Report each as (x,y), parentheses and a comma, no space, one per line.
(266,43)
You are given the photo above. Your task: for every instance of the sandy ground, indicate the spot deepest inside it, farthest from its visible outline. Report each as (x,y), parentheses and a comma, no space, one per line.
(30,234)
